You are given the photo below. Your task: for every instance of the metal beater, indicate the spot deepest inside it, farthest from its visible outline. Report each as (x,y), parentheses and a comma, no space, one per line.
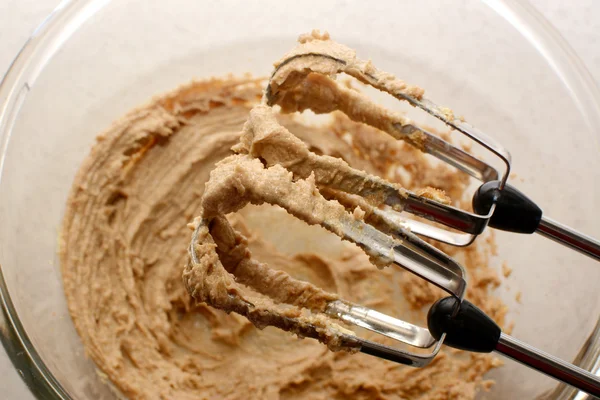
(451,320)
(497,204)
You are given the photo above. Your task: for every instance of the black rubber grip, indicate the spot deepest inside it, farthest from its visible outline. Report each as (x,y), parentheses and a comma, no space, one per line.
(514,212)
(470,329)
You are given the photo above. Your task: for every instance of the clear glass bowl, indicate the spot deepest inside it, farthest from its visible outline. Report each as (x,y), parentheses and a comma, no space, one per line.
(498,62)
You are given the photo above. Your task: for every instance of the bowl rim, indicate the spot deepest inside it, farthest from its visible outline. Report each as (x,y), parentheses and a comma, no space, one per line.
(69,15)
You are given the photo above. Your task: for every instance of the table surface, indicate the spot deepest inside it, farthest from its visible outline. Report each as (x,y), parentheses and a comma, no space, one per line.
(578,21)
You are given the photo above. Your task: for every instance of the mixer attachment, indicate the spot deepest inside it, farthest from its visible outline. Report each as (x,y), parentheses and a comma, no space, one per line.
(272,166)
(303,79)
(221,268)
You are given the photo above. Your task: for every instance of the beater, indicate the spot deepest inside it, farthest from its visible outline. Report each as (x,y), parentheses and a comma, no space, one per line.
(303,81)
(496,204)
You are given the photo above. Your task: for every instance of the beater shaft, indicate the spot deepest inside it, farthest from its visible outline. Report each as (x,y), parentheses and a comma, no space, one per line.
(468,328)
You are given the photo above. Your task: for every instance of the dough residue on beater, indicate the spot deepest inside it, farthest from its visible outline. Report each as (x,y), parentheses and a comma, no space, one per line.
(275,167)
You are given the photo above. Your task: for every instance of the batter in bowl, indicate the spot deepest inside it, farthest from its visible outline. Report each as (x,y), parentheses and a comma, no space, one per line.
(124,245)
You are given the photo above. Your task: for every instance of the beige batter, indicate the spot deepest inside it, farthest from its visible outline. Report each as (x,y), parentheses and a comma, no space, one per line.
(124,244)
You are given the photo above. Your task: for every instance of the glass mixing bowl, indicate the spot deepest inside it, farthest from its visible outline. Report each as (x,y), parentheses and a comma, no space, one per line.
(497,62)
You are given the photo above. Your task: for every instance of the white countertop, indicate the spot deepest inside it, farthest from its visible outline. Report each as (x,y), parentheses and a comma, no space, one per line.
(577,20)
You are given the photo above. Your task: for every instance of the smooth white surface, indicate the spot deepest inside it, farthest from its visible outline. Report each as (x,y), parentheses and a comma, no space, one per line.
(579,22)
